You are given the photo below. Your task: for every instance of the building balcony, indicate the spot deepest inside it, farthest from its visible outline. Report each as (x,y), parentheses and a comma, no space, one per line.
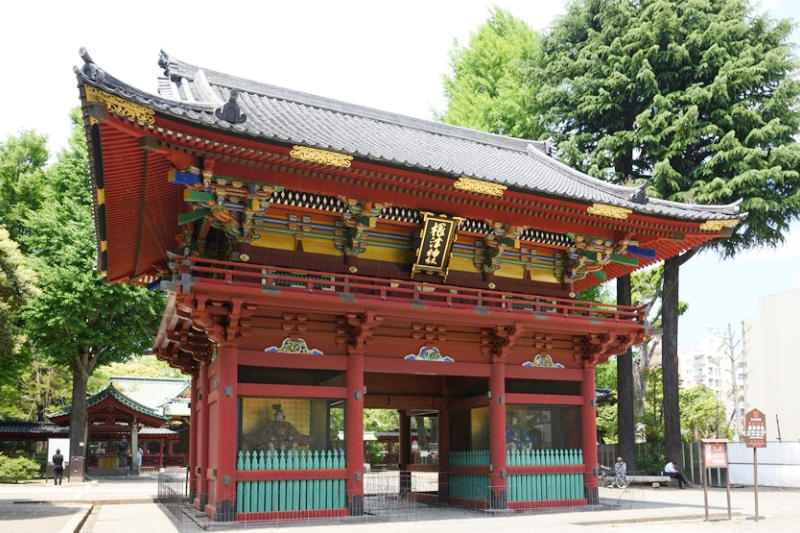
(193,274)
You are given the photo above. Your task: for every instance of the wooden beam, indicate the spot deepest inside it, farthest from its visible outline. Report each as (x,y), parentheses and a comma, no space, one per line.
(290,391)
(544,399)
(300,361)
(432,368)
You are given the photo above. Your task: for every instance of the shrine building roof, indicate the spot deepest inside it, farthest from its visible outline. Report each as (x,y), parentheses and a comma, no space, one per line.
(265,112)
(112,399)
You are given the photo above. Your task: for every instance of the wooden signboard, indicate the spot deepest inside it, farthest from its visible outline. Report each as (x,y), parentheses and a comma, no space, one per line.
(755,435)
(436,241)
(715,455)
(755,429)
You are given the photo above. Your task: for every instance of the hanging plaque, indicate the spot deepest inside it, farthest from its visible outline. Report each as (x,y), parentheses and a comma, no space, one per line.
(436,241)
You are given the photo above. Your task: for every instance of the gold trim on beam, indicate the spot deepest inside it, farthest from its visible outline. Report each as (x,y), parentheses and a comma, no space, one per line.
(718,225)
(325,157)
(101,196)
(482,187)
(103,246)
(120,106)
(610,211)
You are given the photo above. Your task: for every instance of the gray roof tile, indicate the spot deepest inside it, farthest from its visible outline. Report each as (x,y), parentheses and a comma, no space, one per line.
(286,116)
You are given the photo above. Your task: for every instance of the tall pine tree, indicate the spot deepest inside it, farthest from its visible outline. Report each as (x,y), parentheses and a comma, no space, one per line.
(697,96)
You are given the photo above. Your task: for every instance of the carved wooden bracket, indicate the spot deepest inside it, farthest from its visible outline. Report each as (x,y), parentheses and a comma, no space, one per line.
(497,342)
(429,332)
(355,329)
(595,348)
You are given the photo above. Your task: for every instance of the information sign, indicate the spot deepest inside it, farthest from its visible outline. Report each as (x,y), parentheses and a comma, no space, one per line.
(716,454)
(755,429)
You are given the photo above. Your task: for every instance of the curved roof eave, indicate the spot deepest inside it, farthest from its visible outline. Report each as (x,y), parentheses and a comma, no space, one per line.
(388,138)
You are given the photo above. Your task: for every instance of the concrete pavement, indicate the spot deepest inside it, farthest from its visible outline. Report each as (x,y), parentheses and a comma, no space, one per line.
(122,506)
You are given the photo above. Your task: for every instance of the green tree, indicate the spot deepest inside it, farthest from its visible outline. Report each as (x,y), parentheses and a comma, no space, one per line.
(702,414)
(17,286)
(78,320)
(22,178)
(490,87)
(379,420)
(145,366)
(699,98)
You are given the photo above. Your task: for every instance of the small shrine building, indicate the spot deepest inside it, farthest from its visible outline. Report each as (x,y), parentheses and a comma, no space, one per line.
(322,258)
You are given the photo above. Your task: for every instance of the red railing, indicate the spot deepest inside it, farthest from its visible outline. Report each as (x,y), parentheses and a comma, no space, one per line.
(433,294)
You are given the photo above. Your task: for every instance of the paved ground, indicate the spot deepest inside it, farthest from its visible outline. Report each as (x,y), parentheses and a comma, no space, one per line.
(122,506)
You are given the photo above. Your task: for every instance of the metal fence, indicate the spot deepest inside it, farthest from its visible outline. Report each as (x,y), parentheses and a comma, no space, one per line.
(387,497)
(656,456)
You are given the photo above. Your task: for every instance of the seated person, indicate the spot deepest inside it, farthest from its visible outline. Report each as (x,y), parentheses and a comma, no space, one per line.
(672,470)
(621,468)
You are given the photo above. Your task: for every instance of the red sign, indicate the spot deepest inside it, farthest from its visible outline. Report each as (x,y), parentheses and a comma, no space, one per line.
(755,429)
(716,454)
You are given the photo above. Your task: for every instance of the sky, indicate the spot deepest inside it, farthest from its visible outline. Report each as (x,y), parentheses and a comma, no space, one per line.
(386,55)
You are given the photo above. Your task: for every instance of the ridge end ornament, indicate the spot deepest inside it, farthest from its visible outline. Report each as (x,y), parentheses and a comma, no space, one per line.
(611,211)
(120,106)
(230,111)
(326,157)
(479,186)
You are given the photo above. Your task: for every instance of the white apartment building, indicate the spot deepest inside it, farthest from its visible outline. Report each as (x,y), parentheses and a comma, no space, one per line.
(774,362)
(705,365)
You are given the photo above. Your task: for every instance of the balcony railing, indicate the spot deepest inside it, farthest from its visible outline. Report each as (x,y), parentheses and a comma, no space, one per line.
(384,289)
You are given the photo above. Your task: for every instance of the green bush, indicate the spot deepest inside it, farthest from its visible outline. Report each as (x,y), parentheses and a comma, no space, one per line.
(652,462)
(17,468)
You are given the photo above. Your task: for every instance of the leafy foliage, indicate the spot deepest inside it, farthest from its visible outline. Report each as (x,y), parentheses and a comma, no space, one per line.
(17,468)
(144,366)
(22,179)
(490,85)
(17,286)
(698,97)
(379,420)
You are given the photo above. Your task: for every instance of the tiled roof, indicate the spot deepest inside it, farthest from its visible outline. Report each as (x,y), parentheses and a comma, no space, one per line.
(121,398)
(285,116)
(177,407)
(151,392)
(33,428)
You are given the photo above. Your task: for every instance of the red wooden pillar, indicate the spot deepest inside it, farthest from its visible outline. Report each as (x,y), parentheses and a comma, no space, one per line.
(404,453)
(200,431)
(194,403)
(497,435)
(354,433)
(589,433)
(444,453)
(227,426)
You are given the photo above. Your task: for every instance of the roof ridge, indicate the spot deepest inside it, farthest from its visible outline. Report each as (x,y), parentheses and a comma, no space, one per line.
(339,106)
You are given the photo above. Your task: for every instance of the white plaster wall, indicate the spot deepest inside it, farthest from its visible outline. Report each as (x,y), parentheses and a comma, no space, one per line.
(778,464)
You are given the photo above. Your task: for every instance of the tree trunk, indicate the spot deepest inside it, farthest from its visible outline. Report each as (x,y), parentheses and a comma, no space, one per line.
(669,360)
(77,415)
(422,433)
(625,424)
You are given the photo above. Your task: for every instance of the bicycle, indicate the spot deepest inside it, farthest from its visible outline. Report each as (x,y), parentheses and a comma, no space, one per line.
(609,478)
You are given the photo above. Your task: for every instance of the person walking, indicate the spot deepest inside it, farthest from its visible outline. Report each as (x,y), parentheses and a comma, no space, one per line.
(58,467)
(672,470)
